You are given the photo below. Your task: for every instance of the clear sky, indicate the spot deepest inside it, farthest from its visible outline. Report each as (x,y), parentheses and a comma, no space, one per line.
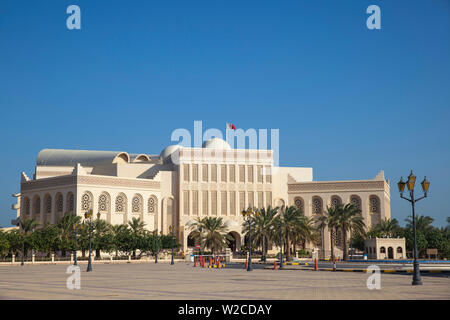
(348,101)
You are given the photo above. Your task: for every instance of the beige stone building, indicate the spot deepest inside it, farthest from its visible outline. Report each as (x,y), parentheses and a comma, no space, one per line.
(180,184)
(385,248)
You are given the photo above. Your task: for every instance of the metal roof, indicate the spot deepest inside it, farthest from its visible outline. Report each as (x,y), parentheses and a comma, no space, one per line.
(61,157)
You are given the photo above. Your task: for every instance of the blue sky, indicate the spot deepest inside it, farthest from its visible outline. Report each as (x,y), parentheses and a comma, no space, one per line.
(348,101)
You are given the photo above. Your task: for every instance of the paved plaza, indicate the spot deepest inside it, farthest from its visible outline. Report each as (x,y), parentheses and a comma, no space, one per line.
(182,281)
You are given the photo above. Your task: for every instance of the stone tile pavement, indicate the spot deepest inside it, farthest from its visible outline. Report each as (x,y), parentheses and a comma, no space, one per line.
(182,281)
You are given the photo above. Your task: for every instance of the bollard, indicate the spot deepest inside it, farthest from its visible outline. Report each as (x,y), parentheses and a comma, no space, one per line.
(246,263)
(210,261)
(334,265)
(33,258)
(71,258)
(316,267)
(275,265)
(195,261)
(13,259)
(53,257)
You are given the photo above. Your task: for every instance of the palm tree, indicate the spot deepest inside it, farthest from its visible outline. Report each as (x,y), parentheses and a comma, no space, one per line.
(137,230)
(304,232)
(349,218)
(388,227)
(213,231)
(102,237)
(292,220)
(423,223)
(65,226)
(198,227)
(27,226)
(262,228)
(117,230)
(330,219)
(321,223)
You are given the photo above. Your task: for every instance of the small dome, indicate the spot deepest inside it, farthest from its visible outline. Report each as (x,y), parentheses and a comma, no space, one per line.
(165,155)
(216,143)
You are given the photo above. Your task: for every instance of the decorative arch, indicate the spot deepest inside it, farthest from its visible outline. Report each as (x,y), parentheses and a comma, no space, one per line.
(47,203)
(356,201)
(59,202)
(70,205)
(374,210)
(299,203)
(36,204)
(317,205)
(121,203)
(169,217)
(137,204)
(26,206)
(87,201)
(104,202)
(152,205)
(335,201)
(382,250)
(59,205)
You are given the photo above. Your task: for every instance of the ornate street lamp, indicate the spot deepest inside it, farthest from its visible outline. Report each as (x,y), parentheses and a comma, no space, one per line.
(155,234)
(23,242)
(171,228)
(247,214)
(417,279)
(75,227)
(281,237)
(88,215)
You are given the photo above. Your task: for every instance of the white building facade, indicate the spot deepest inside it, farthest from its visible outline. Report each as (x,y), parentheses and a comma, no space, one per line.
(182,184)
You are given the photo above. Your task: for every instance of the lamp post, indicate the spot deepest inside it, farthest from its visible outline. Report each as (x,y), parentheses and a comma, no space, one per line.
(88,216)
(155,234)
(417,279)
(248,213)
(23,243)
(171,228)
(281,237)
(75,226)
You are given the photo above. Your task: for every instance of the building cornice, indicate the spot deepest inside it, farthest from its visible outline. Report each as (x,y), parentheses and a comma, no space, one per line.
(334,186)
(90,180)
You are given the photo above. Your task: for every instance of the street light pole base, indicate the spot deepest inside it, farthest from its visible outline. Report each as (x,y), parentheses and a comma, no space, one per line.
(417,282)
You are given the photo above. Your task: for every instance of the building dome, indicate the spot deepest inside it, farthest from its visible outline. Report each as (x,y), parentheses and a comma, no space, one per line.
(165,155)
(216,143)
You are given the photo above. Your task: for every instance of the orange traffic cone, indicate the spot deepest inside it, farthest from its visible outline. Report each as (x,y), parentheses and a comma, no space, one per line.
(316,268)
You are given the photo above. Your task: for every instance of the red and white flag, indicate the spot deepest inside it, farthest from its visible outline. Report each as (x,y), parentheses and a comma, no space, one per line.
(231,126)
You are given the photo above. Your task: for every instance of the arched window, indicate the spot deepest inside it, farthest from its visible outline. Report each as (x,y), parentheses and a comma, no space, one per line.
(317,205)
(152,205)
(26,206)
(374,210)
(136,204)
(47,203)
(103,202)
(299,203)
(37,205)
(374,203)
(70,202)
(59,203)
(382,250)
(121,203)
(336,201)
(399,250)
(86,202)
(356,201)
